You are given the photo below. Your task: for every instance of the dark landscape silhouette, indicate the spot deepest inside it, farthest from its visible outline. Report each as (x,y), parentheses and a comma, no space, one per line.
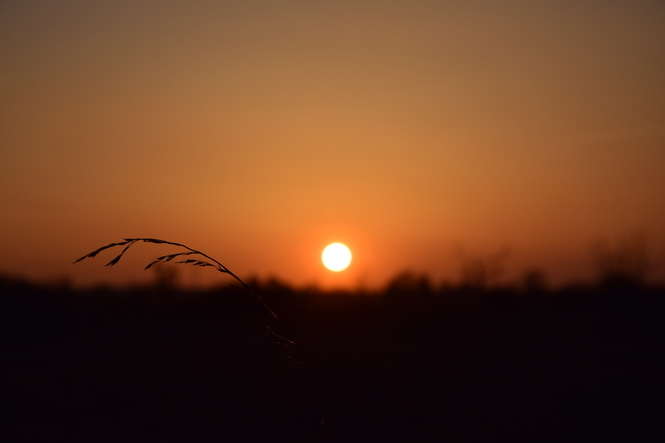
(414,361)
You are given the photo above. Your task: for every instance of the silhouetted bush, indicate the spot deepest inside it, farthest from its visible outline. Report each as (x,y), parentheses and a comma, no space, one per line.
(534,282)
(166,277)
(408,283)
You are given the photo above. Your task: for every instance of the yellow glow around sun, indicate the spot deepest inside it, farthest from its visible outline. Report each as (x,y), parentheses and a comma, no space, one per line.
(336,257)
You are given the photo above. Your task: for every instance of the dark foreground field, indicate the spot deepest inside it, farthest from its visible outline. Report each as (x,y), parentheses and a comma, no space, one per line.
(156,366)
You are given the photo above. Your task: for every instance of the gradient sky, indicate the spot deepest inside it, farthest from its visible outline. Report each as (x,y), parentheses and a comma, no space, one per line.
(416,132)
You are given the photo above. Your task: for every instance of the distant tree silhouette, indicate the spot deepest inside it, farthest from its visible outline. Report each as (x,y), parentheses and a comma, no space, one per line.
(409,283)
(481,272)
(534,281)
(625,264)
(166,277)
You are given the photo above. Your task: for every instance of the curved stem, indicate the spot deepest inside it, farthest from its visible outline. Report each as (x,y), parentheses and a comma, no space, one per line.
(221,268)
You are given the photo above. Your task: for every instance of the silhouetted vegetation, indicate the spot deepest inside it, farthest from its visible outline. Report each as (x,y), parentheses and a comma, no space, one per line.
(623,265)
(409,363)
(478,273)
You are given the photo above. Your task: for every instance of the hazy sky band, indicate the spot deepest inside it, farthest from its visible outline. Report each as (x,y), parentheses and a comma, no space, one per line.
(263,128)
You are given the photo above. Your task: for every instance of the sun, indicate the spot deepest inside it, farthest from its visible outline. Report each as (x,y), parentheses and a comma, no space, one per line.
(336,257)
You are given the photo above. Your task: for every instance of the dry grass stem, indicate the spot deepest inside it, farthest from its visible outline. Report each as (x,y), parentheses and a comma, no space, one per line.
(203,260)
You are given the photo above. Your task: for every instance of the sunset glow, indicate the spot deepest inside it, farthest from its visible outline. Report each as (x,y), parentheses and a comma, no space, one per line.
(422,133)
(336,257)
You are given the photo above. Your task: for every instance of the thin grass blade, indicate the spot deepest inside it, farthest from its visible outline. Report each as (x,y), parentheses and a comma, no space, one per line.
(119,256)
(151,264)
(98,250)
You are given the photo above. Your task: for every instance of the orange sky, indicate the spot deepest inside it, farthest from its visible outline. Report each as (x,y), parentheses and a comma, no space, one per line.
(261,130)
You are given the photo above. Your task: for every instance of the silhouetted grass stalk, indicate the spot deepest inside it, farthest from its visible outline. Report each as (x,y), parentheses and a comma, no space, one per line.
(204,260)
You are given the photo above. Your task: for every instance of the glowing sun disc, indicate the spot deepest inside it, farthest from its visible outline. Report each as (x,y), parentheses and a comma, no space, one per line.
(336,257)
